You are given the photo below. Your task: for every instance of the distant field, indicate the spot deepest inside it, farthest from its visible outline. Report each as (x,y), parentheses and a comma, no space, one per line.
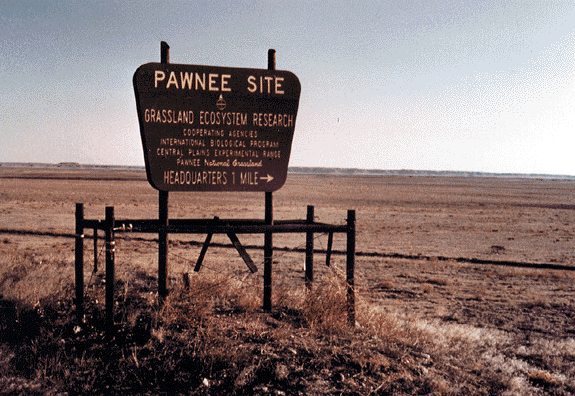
(519,219)
(453,256)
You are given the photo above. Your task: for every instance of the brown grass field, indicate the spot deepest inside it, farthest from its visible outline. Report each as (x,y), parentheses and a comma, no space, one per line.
(464,286)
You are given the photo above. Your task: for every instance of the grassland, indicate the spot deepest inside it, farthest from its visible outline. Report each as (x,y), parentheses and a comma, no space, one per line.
(465,286)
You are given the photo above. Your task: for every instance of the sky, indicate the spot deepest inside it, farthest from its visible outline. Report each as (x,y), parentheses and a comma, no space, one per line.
(478,85)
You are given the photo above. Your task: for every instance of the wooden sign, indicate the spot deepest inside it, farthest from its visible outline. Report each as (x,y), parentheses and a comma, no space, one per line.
(208,128)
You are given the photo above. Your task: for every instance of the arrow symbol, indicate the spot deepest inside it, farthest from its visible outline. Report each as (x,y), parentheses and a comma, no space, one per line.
(267,178)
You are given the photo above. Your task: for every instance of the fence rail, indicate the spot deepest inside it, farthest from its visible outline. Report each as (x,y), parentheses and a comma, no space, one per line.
(231,227)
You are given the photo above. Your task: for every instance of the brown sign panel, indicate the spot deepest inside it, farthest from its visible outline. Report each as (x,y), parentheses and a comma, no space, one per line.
(208,128)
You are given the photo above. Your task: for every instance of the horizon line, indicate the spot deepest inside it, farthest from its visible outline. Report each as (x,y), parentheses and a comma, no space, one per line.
(356,171)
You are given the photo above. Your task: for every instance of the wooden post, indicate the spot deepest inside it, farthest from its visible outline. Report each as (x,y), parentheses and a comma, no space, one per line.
(350,267)
(164,52)
(203,253)
(328,250)
(79,264)
(95,249)
(268,253)
(110,250)
(163,246)
(163,215)
(309,249)
(269,219)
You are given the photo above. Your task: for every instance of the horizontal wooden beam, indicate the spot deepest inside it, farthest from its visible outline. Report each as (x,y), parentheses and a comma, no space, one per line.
(221,226)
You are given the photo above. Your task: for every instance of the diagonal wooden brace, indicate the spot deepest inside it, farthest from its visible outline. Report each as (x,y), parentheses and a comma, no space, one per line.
(328,251)
(203,253)
(242,252)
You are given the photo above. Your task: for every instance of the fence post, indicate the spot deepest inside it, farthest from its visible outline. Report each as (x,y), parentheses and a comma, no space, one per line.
(309,249)
(95,249)
(268,253)
(110,250)
(350,267)
(79,264)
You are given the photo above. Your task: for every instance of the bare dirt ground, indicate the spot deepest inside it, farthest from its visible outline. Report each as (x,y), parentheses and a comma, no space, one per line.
(482,261)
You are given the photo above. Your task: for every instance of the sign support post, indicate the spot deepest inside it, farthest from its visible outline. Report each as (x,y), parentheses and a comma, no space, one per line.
(269,219)
(163,215)
(268,253)
(162,246)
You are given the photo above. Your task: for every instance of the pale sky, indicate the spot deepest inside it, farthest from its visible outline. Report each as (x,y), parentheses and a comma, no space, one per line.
(388,84)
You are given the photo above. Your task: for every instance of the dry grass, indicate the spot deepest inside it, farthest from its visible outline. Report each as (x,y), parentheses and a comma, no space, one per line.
(213,338)
(32,278)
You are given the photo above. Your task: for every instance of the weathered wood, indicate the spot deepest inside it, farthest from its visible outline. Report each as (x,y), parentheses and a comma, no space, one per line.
(244,255)
(350,267)
(95,250)
(223,226)
(110,276)
(213,226)
(269,220)
(203,252)
(328,250)
(163,246)
(309,249)
(163,215)
(79,262)
(268,252)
